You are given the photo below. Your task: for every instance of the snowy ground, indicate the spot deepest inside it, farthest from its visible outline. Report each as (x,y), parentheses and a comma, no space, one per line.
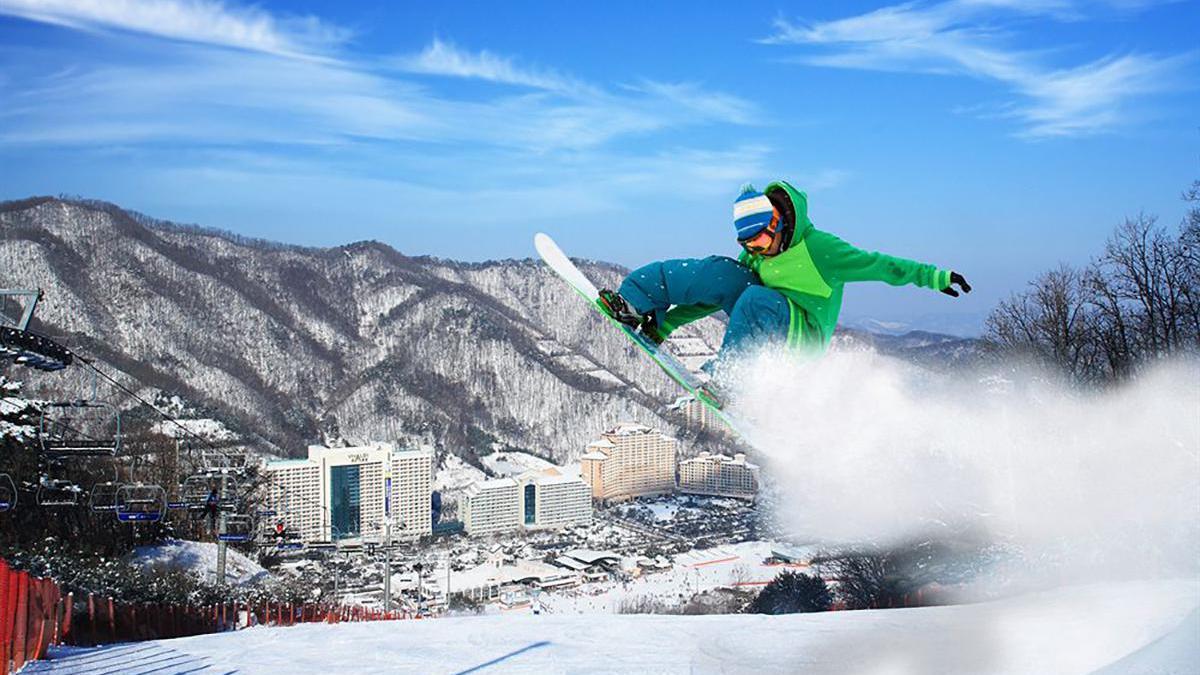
(736,565)
(513,463)
(1130,627)
(455,474)
(200,558)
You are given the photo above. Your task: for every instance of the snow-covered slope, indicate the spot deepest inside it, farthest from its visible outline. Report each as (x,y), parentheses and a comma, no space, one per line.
(199,558)
(1140,626)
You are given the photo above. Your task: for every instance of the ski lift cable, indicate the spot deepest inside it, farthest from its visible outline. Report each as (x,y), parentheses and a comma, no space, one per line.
(166,417)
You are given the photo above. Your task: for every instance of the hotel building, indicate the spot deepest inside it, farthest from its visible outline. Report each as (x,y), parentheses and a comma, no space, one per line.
(534,500)
(719,475)
(342,493)
(629,460)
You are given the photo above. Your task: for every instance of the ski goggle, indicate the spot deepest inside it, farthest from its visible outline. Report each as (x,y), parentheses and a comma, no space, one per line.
(762,241)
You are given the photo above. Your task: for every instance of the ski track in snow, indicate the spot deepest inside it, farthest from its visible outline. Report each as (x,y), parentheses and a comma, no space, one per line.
(1146,626)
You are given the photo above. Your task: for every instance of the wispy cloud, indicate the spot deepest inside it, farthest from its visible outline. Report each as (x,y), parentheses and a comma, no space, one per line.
(444,58)
(202,21)
(968,37)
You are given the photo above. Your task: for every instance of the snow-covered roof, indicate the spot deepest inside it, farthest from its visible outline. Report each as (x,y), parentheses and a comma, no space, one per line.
(493,484)
(629,429)
(490,573)
(601,443)
(591,557)
(594,455)
(705,457)
(570,563)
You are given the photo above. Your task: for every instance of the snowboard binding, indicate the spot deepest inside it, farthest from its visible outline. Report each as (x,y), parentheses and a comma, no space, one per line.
(615,306)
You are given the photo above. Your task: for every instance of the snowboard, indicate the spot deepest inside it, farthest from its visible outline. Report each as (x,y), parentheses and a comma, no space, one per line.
(558,261)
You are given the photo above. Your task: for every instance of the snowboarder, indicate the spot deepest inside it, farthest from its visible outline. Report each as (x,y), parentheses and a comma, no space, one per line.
(784,288)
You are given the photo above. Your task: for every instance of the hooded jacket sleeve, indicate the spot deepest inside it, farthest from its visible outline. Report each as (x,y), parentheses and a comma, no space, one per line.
(845,263)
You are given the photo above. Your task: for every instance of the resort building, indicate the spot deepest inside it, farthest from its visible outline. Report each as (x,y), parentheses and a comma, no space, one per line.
(698,415)
(491,506)
(348,493)
(719,475)
(534,500)
(629,460)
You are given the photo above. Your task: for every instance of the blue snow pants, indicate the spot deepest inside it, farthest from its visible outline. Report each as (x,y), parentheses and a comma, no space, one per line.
(757,314)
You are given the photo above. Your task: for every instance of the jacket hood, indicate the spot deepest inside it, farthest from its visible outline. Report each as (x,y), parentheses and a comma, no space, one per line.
(794,205)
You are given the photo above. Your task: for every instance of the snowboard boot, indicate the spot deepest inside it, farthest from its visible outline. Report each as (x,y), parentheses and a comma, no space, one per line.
(615,306)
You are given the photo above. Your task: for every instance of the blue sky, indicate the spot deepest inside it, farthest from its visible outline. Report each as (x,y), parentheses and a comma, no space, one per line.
(995,137)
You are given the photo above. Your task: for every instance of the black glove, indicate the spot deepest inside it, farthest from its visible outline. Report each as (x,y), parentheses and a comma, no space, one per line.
(956,278)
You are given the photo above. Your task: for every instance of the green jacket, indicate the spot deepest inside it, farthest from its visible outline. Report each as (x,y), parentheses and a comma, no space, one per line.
(811,271)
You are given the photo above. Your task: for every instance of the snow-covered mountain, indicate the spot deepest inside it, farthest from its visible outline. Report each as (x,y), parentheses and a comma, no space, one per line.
(298,345)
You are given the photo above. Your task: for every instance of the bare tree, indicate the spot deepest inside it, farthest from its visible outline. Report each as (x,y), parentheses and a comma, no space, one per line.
(1049,321)
(1137,302)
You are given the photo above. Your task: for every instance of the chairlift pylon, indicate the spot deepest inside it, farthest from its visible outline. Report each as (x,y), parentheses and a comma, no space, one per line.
(26,348)
(141,503)
(8,493)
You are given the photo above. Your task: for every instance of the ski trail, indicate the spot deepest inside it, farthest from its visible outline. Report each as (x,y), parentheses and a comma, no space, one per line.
(151,658)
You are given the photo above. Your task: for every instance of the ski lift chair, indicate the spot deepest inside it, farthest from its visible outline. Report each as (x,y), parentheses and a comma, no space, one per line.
(103,497)
(195,490)
(57,492)
(80,429)
(238,528)
(140,503)
(8,493)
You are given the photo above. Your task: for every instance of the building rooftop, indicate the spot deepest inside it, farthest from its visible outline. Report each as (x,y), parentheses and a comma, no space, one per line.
(594,455)
(285,463)
(629,429)
(590,557)
(705,457)
(494,483)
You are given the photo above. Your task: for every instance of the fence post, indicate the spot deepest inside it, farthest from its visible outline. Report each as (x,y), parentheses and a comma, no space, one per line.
(21,623)
(92,618)
(68,619)
(112,621)
(5,615)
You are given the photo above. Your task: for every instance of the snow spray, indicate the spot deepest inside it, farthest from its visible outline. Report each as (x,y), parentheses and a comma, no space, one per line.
(867,448)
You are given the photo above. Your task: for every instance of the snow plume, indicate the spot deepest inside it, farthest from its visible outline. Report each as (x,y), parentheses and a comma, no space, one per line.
(869,449)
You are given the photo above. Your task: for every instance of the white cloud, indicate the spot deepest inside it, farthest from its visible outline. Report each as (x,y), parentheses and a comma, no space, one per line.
(203,21)
(962,37)
(446,59)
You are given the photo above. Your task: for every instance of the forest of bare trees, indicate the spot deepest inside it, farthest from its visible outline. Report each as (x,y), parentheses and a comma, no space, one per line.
(1135,303)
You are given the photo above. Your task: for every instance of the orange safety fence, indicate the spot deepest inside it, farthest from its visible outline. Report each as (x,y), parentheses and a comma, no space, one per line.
(35,614)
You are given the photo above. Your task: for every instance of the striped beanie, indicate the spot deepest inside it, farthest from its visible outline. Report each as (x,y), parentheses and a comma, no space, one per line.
(752,212)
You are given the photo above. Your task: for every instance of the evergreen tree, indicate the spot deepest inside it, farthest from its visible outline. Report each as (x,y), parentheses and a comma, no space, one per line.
(790,593)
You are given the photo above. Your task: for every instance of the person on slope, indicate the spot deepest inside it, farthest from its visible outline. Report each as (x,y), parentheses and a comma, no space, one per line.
(784,288)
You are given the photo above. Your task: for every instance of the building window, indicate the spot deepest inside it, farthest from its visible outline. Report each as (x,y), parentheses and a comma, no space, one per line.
(530,503)
(345,501)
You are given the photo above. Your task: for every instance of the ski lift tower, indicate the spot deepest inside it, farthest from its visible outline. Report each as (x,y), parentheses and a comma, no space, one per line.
(26,348)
